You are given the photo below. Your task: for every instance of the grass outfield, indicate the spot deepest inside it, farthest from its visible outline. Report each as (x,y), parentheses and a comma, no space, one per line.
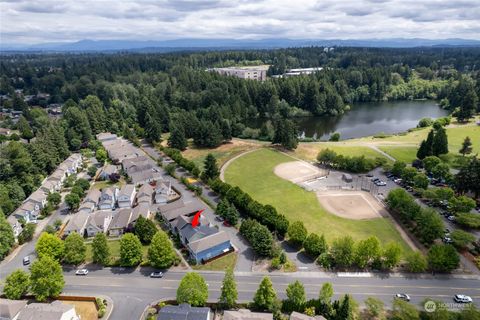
(253,172)
(310,150)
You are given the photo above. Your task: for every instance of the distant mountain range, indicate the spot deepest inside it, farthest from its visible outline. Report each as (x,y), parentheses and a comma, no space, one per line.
(221,44)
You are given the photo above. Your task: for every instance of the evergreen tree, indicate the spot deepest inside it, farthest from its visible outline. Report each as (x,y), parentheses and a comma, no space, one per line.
(285,134)
(207,135)
(145,229)
(326,293)
(177,138)
(100,249)
(25,129)
(297,233)
(229,294)
(296,294)
(440,142)
(160,253)
(265,297)
(423,151)
(153,130)
(315,245)
(466,146)
(210,170)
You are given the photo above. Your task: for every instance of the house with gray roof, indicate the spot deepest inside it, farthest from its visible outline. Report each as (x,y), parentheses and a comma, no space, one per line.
(107,171)
(204,242)
(48,311)
(15,224)
(93,196)
(137,164)
(99,221)
(245,314)
(28,211)
(145,176)
(58,175)
(301,316)
(184,312)
(144,194)
(9,309)
(119,222)
(87,207)
(106,136)
(77,223)
(164,192)
(126,196)
(142,209)
(51,185)
(173,210)
(39,197)
(108,198)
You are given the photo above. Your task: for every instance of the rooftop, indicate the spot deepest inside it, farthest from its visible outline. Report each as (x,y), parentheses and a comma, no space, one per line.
(183,312)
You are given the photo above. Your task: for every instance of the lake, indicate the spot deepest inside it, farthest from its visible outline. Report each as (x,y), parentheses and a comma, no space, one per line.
(366,119)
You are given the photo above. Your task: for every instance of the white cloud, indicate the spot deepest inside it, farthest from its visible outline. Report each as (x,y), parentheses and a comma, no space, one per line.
(30,21)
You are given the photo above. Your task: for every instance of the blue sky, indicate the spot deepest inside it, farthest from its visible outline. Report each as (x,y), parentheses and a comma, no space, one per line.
(30,22)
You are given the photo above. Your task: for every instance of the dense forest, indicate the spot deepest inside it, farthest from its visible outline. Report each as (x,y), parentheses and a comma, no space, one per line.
(144,95)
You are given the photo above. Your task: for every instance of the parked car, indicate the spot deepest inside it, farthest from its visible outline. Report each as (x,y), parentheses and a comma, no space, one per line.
(447,240)
(374,179)
(402,296)
(380,183)
(369,175)
(226,224)
(26,261)
(219,218)
(398,181)
(460,298)
(156,274)
(81,272)
(451,218)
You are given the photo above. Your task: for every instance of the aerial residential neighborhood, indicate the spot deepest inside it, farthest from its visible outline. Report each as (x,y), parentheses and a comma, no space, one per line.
(239,160)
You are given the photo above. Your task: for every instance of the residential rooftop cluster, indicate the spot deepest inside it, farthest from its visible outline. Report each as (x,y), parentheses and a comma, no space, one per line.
(20,310)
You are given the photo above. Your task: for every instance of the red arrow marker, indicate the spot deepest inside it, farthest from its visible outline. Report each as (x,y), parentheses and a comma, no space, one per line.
(196,218)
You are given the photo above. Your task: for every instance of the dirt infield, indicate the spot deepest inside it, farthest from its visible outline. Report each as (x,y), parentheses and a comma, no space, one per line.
(298,171)
(355,205)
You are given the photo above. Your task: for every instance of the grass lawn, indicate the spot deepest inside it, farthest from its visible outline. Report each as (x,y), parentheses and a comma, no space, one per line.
(85,309)
(114,246)
(253,172)
(107,183)
(221,153)
(220,264)
(310,150)
(402,153)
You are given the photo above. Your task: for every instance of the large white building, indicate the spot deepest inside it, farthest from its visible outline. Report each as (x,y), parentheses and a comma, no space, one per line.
(258,73)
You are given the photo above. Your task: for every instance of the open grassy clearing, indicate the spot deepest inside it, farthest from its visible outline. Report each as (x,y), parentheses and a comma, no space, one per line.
(114,246)
(402,153)
(253,172)
(220,264)
(222,153)
(309,150)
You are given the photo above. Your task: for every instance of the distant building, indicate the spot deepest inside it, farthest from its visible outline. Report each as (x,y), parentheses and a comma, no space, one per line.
(347,177)
(258,73)
(184,312)
(300,316)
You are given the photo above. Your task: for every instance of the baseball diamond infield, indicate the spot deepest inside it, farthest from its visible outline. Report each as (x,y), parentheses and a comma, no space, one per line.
(355,205)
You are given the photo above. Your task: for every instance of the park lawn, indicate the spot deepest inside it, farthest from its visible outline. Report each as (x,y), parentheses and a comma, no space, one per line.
(220,264)
(253,173)
(114,246)
(309,150)
(222,153)
(401,153)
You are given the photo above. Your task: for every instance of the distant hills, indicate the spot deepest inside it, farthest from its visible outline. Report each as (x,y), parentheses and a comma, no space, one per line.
(222,44)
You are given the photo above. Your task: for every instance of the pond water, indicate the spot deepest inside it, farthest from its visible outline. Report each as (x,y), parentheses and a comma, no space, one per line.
(366,119)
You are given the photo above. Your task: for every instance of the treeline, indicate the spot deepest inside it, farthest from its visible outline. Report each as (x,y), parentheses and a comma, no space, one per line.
(355,164)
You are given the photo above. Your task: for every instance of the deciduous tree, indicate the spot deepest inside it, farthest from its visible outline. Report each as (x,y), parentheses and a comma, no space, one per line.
(75,249)
(50,245)
(160,253)
(46,278)
(16,285)
(100,249)
(192,290)
(130,250)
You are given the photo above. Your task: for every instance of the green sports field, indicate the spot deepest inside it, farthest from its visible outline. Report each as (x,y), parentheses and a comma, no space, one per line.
(253,172)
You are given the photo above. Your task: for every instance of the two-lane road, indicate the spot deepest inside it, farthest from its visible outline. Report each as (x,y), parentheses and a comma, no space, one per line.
(133,290)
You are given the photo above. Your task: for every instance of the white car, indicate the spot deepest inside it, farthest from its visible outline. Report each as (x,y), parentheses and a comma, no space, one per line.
(460,298)
(81,272)
(402,296)
(381,183)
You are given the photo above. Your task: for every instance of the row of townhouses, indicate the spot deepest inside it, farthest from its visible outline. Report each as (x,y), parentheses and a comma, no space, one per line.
(30,209)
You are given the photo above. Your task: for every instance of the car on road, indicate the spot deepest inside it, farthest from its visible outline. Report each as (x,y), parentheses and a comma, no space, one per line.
(461,298)
(156,274)
(81,272)
(402,296)
(26,261)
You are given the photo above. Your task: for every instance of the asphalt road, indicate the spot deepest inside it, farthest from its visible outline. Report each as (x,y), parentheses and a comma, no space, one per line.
(133,290)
